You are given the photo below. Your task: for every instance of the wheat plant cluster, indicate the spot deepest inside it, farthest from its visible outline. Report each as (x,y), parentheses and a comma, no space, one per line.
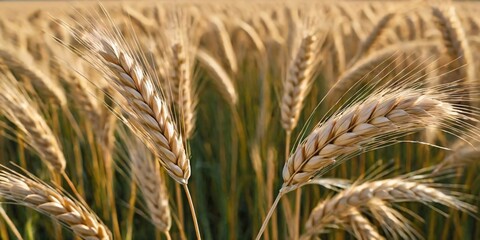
(239,120)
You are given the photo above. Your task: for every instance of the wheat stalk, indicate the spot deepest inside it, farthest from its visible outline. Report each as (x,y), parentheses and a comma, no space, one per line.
(299,78)
(42,198)
(225,42)
(83,96)
(221,77)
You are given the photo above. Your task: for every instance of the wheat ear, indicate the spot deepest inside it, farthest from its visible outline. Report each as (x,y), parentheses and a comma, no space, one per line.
(41,197)
(83,97)
(18,108)
(394,224)
(392,190)
(455,39)
(252,35)
(147,174)
(149,113)
(225,43)
(462,154)
(382,114)
(360,226)
(221,77)
(297,85)
(373,37)
(388,113)
(182,80)
(150,116)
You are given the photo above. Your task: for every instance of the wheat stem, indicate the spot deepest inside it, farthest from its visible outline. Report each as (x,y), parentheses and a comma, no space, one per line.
(192,210)
(181,220)
(10,224)
(296,221)
(269,215)
(167,235)
(131,209)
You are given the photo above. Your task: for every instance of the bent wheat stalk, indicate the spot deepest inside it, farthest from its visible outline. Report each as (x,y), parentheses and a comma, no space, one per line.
(40,197)
(225,42)
(219,75)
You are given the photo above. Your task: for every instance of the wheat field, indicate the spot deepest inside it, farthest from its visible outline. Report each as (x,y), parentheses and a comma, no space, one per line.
(239,120)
